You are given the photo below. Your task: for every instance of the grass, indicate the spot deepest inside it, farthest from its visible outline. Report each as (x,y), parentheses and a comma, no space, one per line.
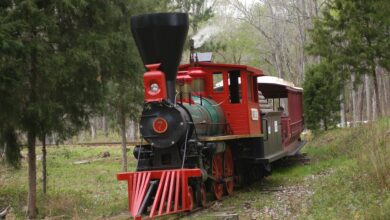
(360,186)
(83,191)
(346,195)
(348,175)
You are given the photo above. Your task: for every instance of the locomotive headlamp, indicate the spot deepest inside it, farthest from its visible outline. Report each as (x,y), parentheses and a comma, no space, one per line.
(154,87)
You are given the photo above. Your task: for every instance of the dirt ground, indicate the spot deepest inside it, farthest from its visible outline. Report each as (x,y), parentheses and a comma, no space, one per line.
(265,201)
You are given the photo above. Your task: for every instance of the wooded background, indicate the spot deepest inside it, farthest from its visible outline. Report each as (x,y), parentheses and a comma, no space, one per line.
(70,71)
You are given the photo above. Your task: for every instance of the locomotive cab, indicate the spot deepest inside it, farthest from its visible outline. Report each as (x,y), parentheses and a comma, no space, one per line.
(234,88)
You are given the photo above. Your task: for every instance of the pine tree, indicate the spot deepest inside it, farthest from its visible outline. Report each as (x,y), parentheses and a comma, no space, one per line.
(321,98)
(199,12)
(124,91)
(51,69)
(352,38)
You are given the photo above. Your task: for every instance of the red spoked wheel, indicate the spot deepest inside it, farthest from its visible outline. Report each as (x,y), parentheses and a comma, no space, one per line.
(229,170)
(217,186)
(203,195)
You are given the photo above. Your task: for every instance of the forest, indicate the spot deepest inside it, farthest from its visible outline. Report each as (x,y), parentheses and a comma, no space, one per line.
(70,71)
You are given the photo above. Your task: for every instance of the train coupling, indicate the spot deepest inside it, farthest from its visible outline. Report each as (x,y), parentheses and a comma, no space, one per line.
(159,192)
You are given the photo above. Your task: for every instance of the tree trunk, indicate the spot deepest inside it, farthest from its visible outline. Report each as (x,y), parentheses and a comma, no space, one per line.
(302,30)
(32,176)
(384,95)
(368,96)
(386,82)
(342,111)
(325,124)
(354,101)
(130,131)
(374,109)
(376,89)
(136,131)
(361,105)
(104,125)
(93,129)
(31,136)
(123,133)
(44,171)
(277,65)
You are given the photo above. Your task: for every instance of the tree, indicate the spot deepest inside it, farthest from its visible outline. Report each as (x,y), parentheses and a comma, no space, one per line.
(10,85)
(357,39)
(51,53)
(124,88)
(9,112)
(22,25)
(365,27)
(279,27)
(10,146)
(199,12)
(321,99)
(234,44)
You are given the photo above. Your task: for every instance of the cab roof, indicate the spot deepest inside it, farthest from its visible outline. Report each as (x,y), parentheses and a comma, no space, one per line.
(254,70)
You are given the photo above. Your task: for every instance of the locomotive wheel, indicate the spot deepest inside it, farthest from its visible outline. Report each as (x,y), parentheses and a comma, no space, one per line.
(217,187)
(229,170)
(201,195)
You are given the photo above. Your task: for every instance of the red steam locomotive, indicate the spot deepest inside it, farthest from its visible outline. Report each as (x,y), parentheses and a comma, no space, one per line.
(207,127)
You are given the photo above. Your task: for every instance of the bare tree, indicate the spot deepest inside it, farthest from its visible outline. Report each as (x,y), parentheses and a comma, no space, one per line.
(368,96)
(283,25)
(342,111)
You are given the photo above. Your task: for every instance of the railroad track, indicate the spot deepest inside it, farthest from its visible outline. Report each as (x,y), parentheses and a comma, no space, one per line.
(195,210)
(299,159)
(293,160)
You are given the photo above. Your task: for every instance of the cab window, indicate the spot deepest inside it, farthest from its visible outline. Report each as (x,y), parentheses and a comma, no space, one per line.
(217,82)
(235,87)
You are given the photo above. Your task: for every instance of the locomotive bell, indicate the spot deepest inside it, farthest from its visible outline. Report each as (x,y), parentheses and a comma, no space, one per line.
(160,38)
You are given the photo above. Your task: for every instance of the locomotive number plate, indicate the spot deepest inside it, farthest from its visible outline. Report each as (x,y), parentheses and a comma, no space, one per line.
(160,125)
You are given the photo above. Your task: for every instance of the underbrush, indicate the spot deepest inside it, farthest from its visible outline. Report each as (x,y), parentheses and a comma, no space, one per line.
(368,145)
(349,194)
(78,191)
(359,187)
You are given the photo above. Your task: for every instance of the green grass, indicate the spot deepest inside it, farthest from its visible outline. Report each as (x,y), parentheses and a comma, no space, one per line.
(347,195)
(79,191)
(360,186)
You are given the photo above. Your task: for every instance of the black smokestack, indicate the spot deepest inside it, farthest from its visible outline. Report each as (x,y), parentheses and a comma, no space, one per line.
(160,39)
